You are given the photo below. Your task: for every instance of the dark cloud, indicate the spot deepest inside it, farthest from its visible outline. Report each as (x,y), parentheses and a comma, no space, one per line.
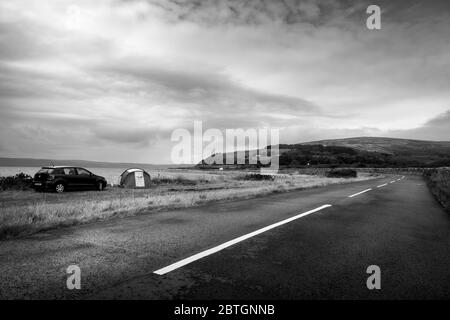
(25,83)
(437,128)
(123,74)
(19,41)
(132,136)
(289,12)
(212,93)
(256,12)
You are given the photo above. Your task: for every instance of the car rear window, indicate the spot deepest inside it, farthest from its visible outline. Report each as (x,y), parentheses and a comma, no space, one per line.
(70,171)
(51,171)
(57,171)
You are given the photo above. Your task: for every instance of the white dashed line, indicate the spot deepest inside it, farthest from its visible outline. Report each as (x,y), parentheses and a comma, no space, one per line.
(392,181)
(359,193)
(227,244)
(382,185)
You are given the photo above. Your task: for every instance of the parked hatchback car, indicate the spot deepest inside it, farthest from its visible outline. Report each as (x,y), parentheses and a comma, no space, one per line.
(62,178)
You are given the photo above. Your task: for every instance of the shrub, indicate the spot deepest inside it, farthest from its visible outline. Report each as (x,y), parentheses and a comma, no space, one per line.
(256,177)
(438,180)
(174,180)
(341,173)
(20,181)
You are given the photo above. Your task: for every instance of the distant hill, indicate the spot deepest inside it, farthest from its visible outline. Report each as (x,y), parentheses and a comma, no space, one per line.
(370,151)
(364,152)
(29,162)
(394,146)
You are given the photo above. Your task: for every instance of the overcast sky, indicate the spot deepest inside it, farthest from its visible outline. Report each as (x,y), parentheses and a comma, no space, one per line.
(109,80)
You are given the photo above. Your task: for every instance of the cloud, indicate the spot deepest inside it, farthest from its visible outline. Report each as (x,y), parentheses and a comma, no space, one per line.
(207,94)
(252,12)
(437,128)
(97,77)
(139,137)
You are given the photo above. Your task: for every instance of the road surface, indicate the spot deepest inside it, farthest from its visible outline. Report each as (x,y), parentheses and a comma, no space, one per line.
(283,246)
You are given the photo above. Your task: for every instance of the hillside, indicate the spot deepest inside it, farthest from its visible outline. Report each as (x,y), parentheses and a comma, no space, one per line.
(365,152)
(381,151)
(394,146)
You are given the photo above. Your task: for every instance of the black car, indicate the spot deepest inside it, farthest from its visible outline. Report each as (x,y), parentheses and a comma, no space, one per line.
(62,178)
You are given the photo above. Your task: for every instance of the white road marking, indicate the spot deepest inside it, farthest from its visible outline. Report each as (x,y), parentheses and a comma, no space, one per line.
(382,185)
(359,193)
(392,181)
(227,244)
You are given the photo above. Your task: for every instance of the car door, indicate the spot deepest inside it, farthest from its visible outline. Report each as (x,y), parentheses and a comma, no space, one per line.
(85,178)
(70,176)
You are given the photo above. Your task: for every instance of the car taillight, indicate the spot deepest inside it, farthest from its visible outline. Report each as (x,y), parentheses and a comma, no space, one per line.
(50,177)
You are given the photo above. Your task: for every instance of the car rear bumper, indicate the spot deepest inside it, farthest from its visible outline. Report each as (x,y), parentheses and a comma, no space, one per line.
(43,185)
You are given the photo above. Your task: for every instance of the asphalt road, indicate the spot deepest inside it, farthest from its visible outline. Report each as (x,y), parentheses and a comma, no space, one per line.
(323,255)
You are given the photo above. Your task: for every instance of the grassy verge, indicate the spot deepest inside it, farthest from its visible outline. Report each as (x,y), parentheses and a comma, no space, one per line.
(438,181)
(26,212)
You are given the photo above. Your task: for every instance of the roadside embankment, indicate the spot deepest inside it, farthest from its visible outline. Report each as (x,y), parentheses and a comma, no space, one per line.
(438,181)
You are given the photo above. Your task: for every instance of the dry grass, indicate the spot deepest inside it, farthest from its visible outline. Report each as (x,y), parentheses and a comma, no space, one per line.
(25,212)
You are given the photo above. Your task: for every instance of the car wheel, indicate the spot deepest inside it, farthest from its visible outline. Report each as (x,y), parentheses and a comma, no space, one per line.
(100,186)
(59,188)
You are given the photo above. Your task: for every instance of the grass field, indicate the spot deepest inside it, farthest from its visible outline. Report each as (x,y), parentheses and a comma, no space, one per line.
(26,212)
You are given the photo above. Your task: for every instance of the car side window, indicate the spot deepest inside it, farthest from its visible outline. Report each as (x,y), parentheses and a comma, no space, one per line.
(70,171)
(58,171)
(82,172)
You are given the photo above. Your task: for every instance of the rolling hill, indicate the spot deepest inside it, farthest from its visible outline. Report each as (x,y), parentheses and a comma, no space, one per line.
(364,152)
(372,151)
(392,146)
